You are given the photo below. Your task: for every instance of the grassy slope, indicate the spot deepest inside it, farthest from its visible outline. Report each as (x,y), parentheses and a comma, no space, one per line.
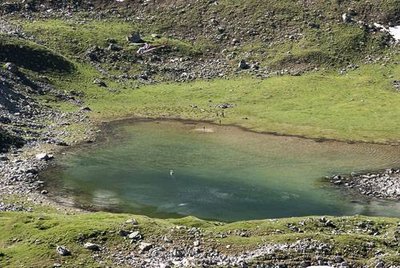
(29,239)
(361,105)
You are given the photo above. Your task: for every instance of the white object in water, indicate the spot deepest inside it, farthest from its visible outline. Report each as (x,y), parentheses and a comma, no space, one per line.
(171,172)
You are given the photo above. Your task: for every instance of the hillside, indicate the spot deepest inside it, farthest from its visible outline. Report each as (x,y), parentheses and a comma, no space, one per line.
(324,70)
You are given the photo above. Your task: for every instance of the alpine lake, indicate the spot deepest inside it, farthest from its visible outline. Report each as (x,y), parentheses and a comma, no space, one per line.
(179,168)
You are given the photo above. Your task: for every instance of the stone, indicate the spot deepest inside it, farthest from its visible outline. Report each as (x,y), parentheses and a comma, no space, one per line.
(225,105)
(346,18)
(123,233)
(44,156)
(9,66)
(243,65)
(177,253)
(100,83)
(235,41)
(145,246)
(5,120)
(339,259)
(135,235)
(135,38)
(91,246)
(396,84)
(114,47)
(63,251)
(86,109)
(132,221)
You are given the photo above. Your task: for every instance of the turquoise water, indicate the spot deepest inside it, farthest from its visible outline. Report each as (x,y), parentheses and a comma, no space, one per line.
(219,172)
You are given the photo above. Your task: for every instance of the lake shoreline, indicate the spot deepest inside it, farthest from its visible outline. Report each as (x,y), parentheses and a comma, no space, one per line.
(106,130)
(232,254)
(211,122)
(21,170)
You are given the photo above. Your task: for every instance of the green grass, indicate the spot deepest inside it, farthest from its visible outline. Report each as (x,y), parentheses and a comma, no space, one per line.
(74,37)
(359,106)
(30,239)
(31,56)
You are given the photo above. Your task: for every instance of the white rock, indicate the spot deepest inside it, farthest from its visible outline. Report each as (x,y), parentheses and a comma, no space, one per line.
(145,246)
(44,156)
(91,246)
(134,235)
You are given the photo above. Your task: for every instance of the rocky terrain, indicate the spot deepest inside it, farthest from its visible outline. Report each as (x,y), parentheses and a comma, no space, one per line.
(385,185)
(29,126)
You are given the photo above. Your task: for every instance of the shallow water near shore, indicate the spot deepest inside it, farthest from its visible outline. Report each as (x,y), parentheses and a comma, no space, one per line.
(170,168)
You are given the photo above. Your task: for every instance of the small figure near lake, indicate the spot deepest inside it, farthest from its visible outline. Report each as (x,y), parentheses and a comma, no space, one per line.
(171,172)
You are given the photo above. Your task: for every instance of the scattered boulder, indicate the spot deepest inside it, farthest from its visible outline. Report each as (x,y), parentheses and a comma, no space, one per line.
(11,67)
(114,47)
(100,83)
(91,246)
(44,156)
(243,65)
(346,18)
(132,221)
(135,38)
(235,41)
(5,120)
(145,246)
(63,251)
(86,109)
(225,105)
(135,235)
(396,84)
